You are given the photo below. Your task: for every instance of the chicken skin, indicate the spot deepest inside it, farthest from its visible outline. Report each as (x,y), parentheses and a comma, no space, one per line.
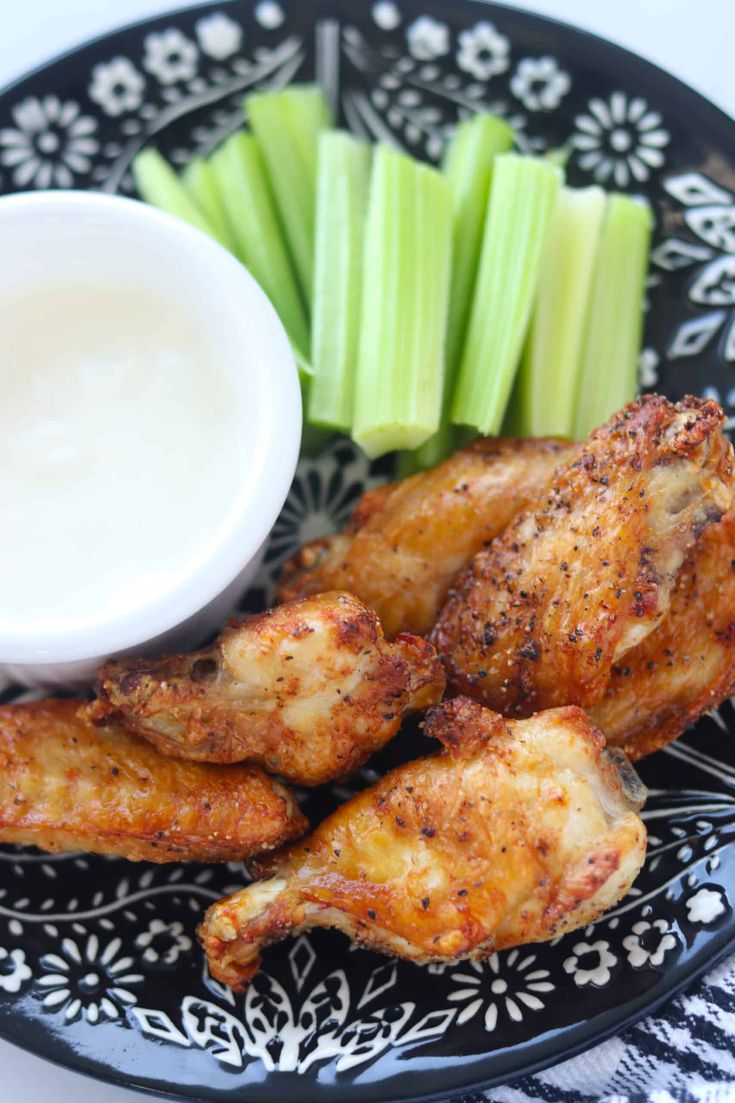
(66,785)
(584,574)
(308,690)
(518,831)
(688,664)
(407,541)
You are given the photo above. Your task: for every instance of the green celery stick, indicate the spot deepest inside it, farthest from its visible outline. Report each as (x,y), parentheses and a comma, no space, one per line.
(521,201)
(286,125)
(548,379)
(440,444)
(467,165)
(303,364)
(159,185)
(241,178)
(199,180)
(343,176)
(313,437)
(612,340)
(405,298)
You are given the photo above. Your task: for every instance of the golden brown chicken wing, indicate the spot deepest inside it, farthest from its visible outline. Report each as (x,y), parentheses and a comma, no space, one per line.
(584,574)
(66,785)
(407,541)
(309,690)
(517,832)
(688,664)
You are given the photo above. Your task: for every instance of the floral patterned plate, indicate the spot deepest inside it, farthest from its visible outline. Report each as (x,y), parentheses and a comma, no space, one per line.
(99,968)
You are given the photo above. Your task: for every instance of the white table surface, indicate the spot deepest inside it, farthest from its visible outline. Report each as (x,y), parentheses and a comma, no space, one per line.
(691,39)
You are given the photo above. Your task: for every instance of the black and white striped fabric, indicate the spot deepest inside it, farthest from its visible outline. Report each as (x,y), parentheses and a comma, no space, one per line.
(683,1054)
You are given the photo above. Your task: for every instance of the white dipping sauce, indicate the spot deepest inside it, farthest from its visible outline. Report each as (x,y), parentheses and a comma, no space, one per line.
(120,454)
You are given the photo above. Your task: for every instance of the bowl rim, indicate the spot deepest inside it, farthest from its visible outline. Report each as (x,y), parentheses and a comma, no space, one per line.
(275,451)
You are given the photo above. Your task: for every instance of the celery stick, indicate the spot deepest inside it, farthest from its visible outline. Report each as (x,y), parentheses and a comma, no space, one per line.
(159,185)
(440,444)
(548,378)
(612,340)
(241,178)
(305,369)
(405,298)
(313,437)
(468,165)
(521,201)
(343,175)
(286,125)
(199,181)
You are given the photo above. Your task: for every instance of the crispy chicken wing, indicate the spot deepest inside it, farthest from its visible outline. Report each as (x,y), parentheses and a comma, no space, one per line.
(407,541)
(309,690)
(517,832)
(584,574)
(66,785)
(688,664)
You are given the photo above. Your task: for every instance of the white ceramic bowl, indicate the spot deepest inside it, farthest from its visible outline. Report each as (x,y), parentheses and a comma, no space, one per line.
(46,235)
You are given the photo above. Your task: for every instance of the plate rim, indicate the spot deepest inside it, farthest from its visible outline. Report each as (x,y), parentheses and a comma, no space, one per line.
(550,21)
(581,1036)
(585,1039)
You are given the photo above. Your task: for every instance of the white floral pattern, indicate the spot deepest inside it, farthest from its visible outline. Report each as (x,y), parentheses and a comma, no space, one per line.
(709,214)
(163,942)
(51,144)
(539,83)
(219,36)
(504,984)
(170,56)
(13,970)
(706,906)
(88,981)
(386,15)
(649,942)
(590,963)
(117,86)
(427,38)
(483,51)
(269,14)
(620,140)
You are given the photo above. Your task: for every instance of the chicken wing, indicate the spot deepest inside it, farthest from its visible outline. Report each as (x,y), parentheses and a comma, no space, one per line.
(688,664)
(407,541)
(517,832)
(309,690)
(66,785)
(584,574)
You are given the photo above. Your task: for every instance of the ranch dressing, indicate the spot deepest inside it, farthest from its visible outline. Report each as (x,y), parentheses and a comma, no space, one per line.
(120,455)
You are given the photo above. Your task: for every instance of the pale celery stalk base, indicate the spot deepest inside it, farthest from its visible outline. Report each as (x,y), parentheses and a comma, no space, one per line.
(404,305)
(199,181)
(158,184)
(343,176)
(548,378)
(522,197)
(241,178)
(467,165)
(287,125)
(609,365)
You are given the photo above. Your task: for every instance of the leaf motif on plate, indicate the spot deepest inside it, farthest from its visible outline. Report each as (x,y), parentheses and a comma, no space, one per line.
(368,1037)
(211,1027)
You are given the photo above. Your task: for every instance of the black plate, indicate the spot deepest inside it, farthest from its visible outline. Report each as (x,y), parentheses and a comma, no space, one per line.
(98,967)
